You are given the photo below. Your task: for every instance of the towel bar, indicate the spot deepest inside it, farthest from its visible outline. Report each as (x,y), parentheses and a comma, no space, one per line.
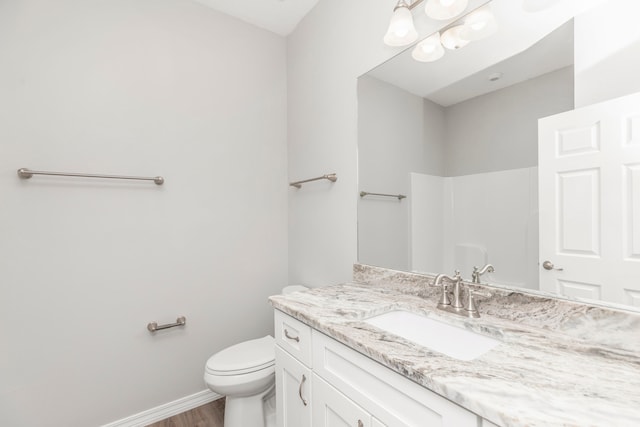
(331,177)
(398,196)
(153,326)
(25,173)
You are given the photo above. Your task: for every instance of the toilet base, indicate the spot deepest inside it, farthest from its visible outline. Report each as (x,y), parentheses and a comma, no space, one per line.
(250,410)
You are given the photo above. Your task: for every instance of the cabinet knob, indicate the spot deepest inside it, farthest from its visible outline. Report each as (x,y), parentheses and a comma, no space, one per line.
(304,401)
(360,423)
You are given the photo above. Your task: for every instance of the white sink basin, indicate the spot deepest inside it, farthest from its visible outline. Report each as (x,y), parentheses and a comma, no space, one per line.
(451,340)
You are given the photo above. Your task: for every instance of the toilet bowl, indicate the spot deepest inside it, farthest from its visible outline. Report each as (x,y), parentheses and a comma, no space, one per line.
(245,374)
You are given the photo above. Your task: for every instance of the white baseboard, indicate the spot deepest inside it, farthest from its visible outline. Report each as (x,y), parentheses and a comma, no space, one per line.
(167,410)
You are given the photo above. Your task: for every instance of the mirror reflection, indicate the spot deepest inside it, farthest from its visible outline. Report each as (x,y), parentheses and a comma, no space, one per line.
(460,141)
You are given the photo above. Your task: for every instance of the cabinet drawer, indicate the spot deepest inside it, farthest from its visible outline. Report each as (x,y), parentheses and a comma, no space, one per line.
(293,336)
(389,397)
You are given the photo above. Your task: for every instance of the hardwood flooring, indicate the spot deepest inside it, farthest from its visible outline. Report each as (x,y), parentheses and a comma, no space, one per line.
(209,415)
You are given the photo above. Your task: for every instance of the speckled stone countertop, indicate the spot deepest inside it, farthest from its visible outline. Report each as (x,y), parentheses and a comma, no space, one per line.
(561,363)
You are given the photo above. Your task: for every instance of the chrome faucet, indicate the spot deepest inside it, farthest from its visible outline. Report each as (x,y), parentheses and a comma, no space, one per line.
(457,306)
(475,276)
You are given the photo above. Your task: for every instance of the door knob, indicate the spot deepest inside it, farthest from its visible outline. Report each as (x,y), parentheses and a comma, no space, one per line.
(548,265)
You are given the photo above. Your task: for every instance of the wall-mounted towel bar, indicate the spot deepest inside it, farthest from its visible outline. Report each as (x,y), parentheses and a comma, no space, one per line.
(180,321)
(331,177)
(28,173)
(398,196)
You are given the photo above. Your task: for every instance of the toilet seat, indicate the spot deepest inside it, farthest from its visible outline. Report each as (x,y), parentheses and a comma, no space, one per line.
(244,358)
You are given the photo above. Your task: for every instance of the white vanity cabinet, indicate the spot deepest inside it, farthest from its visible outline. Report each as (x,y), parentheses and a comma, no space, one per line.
(342,387)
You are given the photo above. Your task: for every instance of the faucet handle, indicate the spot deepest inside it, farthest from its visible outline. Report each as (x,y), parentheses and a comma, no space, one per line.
(444,298)
(477,272)
(475,276)
(472,309)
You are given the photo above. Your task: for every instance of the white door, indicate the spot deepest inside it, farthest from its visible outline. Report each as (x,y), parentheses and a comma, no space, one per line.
(333,409)
(589,195)
(293,391)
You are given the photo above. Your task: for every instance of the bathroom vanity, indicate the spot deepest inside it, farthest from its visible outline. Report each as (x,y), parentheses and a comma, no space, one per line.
(557,362)
(328,384)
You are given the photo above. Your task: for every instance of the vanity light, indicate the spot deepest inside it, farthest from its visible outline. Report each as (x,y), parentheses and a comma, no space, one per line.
(401,30)
(479,24)
(444,9)
(453,38)
(429,49)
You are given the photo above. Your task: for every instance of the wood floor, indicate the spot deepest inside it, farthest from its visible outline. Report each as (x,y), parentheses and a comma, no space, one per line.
(209,415)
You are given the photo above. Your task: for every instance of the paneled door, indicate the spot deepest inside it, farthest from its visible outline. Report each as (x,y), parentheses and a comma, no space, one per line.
(589,195)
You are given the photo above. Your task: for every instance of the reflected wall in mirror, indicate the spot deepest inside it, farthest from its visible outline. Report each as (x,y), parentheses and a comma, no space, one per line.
(459,137)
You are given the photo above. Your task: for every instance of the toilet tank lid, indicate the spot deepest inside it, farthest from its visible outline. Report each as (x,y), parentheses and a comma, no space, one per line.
(243,356)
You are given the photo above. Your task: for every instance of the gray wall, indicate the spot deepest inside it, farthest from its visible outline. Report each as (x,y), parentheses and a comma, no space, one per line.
(499,130)
(144,87)
(606,64)
(399,133)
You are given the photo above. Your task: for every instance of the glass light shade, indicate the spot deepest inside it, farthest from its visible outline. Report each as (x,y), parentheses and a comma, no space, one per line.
(453,38)
(429,49)
(444,9)
(401,31)
(479,24)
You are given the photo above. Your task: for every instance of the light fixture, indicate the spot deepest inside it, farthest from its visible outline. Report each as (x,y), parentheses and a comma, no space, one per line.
(479,24)
(401,31)
(475,26)
(453,38)
(444,9)
(429,49)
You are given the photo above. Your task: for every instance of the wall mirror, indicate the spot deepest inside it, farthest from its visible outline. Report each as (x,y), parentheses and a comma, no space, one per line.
(459,138)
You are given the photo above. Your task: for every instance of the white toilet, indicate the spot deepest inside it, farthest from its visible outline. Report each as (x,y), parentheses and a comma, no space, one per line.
(245,374)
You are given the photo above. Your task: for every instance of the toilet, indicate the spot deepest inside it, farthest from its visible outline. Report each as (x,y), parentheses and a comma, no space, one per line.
(245,374)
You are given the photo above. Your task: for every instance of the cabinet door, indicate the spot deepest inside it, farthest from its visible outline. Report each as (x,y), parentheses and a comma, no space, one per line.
(293,391)
(333,409)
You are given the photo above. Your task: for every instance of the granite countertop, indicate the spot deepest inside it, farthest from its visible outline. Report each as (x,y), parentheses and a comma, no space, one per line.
(537,376)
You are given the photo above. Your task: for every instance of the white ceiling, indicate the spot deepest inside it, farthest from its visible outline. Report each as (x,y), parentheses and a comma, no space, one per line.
(462,74)
(278,16)
(553,52)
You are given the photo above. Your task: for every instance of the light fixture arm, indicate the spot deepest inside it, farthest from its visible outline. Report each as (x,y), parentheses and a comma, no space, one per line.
(413,4)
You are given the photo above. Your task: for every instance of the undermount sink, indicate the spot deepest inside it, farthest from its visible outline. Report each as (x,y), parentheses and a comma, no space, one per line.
(453,341)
